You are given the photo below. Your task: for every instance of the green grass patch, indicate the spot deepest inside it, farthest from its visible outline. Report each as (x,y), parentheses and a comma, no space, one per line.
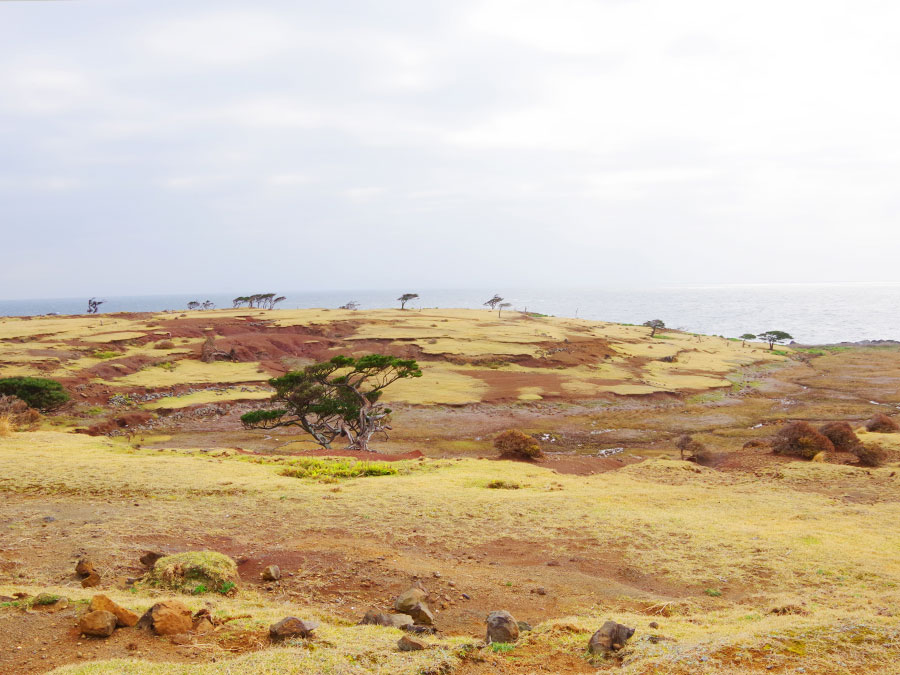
(105,354)
(713,592)
(502,647)
(327,469)
(195,572)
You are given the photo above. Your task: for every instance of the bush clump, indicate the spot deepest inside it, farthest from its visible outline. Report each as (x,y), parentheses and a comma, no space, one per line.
(841,436)
(15,415)
(691,450)
(503,485)
(164,344)
(882,424)
(800,439)
(513,442)
(327,470)
(186,572)
(37,392)
(870,455)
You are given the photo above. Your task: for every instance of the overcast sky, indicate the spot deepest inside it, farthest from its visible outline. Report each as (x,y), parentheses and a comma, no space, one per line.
(208,145)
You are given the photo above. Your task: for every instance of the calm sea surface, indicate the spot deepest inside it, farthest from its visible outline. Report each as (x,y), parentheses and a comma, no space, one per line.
(812,313)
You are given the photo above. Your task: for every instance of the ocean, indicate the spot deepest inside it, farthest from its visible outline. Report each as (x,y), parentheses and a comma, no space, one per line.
(811,313)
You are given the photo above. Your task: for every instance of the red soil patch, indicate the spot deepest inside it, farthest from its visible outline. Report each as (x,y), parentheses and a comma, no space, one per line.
(577,465)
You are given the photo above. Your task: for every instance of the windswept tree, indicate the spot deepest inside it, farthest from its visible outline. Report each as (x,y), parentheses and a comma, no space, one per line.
(193,304)
(774,337)
(208,304)
(336,398)
(352,305)
(493,302)
(280,298)
(406,297)
(747,336)
(502,306)
(654,326)
(240,300)
(94,305)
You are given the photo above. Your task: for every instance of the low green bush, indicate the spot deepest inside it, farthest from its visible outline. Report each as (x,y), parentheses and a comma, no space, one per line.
(37,392)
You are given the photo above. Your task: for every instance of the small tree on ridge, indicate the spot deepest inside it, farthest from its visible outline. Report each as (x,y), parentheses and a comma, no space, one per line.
(406,297)
(774,336)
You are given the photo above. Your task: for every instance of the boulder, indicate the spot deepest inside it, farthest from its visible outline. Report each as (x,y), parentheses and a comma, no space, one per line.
(168,617)
(611,637)
(501,627)
(376,618)
(97,624)
(421,614)
(292,627)
(84,567)
(271,573)
(47,602)
(91,580)
(410,644)
(124,617)
(409,599)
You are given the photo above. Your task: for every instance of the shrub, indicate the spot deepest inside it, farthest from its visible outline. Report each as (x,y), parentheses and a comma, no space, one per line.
(15,415)
(164,344)
(105,354)
(799,439)
(326,470)
(37,392)
(870,455)
(841,436)
(189,571)
(695,450)
(513,442)
(503,485)
(882,424)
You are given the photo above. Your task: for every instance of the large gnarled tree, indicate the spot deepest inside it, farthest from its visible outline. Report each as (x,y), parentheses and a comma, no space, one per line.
(336,398)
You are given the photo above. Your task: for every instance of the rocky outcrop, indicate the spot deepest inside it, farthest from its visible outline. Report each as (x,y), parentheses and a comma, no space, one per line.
(611,637)
(169,617)
(292,627)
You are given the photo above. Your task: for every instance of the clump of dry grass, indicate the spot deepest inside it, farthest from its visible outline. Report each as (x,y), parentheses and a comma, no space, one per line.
(514,443)
(799,439)
(15,415)
(841,436)
(882,424)
(870,455)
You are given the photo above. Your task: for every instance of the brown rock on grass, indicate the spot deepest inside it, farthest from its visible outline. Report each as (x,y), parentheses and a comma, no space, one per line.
(409,599)
(410,644)
(150,557)
(376,618)
(91,580)
(501,627)
(421,614)
(84,567)
(292,627)
(99,623)
(124,617)
(169,617)
(271,573)
(611,637)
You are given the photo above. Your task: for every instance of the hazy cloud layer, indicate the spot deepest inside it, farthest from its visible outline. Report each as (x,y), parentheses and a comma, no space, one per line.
(176,146)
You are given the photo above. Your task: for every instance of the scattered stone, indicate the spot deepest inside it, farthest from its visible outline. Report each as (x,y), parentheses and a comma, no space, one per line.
(169,617)
(84,567)
(97,624)
(501,627)
(409,599)
(124,617)
(524,626)
(292,627)
(540,590)
(421,614)
(204,621)
(612,636)
(410,644)
(654,625)
(271,573)
(150,557)
(374,617)
(552,563)
(91,580)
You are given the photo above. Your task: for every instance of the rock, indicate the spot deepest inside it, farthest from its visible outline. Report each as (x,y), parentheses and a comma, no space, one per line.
(376,618)
(84,567)
(150,557)
(169,617)
(98,624)
(410,644)
(409,599)
(654,625)
(612,636)
(124,617)
(46,602)
(203,625)
(271,573)
(501,627)
(540,590)
(524,626)
(292,627)
(418,630)
(421,614)
(91,580)
(180,639)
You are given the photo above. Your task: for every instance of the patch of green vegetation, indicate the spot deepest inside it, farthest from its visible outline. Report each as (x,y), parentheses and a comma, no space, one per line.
(503,485)
(809,540)
(200,589)
(45,599)
(781,352)
(708,397)
(713,592)
(328,469)
(94,411)
(502,647)
(105,354)
(194,572)
(166,365)
(227,587)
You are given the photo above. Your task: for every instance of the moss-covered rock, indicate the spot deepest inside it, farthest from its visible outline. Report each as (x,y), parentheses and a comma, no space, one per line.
(195,572)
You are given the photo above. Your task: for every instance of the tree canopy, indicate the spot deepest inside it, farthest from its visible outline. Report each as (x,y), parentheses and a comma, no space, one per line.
(406,297)
(493,302)
(335,398)
(774,336)
(655,325)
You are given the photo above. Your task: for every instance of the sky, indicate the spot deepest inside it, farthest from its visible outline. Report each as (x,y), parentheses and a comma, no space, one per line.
(171,146)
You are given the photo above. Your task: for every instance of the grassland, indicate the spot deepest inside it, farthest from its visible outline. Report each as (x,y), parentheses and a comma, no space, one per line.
(752,564)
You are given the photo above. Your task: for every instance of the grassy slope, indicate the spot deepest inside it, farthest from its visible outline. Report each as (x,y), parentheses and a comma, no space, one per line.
(760,542)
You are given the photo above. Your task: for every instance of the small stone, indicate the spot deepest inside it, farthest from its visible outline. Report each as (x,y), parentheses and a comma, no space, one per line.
(98,624)
(374,617)
(410,644)
(654,625)
(501,627)
(91,580)
(124,617)
(524,626)
(84,567)
(409,599)
(169,617)
(540,590)
(292,627)
(271,573)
